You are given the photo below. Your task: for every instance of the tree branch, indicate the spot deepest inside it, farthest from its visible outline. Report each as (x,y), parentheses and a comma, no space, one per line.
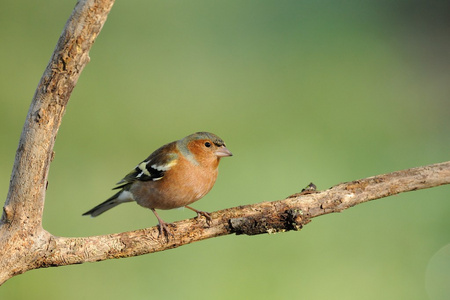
(25,245)
(291,213)
(21,230)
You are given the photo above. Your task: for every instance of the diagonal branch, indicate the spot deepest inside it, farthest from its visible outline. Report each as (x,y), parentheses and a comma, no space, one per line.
(291,213)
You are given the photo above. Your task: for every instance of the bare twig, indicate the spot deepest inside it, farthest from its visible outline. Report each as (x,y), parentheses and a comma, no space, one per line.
(25,245)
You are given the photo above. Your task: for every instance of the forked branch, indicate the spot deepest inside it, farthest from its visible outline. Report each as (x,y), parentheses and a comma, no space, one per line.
(25,245)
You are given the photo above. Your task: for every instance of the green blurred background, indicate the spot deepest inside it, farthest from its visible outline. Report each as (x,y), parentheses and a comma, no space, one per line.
(301,91)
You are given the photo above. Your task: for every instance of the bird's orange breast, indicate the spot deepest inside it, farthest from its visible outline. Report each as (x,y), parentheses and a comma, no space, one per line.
(183,184)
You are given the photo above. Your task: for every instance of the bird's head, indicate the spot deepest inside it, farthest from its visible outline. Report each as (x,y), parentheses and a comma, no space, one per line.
(204,147)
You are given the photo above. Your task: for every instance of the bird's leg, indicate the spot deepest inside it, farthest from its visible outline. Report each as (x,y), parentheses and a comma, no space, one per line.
(163,229)
(201,213)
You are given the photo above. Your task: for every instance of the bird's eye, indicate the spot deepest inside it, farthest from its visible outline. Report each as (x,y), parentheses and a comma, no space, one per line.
(207,144)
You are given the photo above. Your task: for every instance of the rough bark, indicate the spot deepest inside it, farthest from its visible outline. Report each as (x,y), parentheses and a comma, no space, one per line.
(22,238)
(25,245)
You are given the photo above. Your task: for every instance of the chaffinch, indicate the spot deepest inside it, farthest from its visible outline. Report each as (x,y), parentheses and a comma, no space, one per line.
(173,176)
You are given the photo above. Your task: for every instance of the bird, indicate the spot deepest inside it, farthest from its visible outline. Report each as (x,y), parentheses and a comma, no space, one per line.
(175,175)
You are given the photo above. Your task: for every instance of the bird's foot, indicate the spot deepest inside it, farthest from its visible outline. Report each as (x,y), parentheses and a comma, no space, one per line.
(202,213)
(164,230)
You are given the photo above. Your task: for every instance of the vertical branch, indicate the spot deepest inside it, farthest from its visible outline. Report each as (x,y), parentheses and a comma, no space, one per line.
(25,200)
(22,238)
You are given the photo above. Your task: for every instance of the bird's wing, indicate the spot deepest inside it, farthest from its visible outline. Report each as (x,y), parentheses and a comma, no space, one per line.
(153,168)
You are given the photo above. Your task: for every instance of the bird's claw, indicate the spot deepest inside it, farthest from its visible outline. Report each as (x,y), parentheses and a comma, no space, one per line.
(201,213)
(206,215)
(164,230)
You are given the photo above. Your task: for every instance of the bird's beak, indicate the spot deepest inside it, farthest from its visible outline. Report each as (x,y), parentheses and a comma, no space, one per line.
(223,152)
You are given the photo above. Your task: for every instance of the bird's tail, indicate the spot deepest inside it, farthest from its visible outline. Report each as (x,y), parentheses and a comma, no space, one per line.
(108,204)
